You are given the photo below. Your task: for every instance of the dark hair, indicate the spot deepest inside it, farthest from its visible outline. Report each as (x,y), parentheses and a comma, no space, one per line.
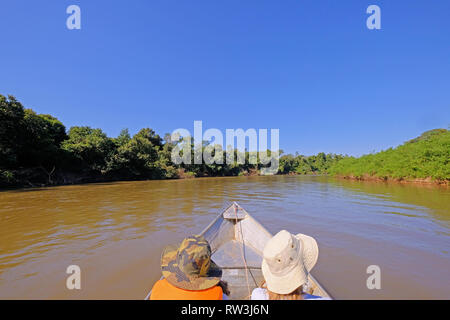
(224,285)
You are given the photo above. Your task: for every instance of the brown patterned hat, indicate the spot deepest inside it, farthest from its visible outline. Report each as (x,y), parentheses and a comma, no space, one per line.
(189,265)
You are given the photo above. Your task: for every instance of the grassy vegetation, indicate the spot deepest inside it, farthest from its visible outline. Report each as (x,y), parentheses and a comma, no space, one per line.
(426,157)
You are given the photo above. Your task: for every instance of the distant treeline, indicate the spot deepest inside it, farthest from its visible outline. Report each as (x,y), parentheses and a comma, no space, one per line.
(36,149)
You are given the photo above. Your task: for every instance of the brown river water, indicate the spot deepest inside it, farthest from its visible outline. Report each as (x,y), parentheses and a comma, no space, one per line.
(115,232)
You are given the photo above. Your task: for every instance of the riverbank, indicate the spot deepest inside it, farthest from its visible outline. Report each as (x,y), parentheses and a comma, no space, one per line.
(72,179)
(426,181)
(40,178)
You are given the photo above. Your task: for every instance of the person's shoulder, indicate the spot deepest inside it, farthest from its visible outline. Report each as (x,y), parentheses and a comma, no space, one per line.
(160,282)
(259,294)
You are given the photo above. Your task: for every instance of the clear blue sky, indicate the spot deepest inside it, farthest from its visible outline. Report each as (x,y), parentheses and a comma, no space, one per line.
(310,68)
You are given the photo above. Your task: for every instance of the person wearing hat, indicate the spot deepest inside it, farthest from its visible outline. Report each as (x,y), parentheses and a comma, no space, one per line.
(189,273)
(287,261)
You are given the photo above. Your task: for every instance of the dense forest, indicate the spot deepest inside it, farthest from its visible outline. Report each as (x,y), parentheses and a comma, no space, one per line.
(37,150)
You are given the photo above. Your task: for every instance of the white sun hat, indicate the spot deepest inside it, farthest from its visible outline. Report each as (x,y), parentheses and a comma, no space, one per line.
(287,261)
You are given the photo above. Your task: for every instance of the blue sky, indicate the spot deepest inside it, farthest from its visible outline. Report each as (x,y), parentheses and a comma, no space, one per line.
(309,68)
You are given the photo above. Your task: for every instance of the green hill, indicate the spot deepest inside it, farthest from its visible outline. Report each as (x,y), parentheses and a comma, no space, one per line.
(425,157)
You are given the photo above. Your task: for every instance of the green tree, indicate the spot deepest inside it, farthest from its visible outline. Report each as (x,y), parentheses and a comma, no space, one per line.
(90,146)
(138,158)
(43,137)
(11,130)
(123,138)
(28,139)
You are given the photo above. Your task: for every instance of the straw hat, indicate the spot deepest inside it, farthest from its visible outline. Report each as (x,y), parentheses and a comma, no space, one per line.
(189,266)
(288,259)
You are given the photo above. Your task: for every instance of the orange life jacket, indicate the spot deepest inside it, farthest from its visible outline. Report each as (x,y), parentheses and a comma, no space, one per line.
(163,290)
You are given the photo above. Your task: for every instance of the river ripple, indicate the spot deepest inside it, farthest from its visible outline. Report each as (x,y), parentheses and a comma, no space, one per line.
(115,232)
